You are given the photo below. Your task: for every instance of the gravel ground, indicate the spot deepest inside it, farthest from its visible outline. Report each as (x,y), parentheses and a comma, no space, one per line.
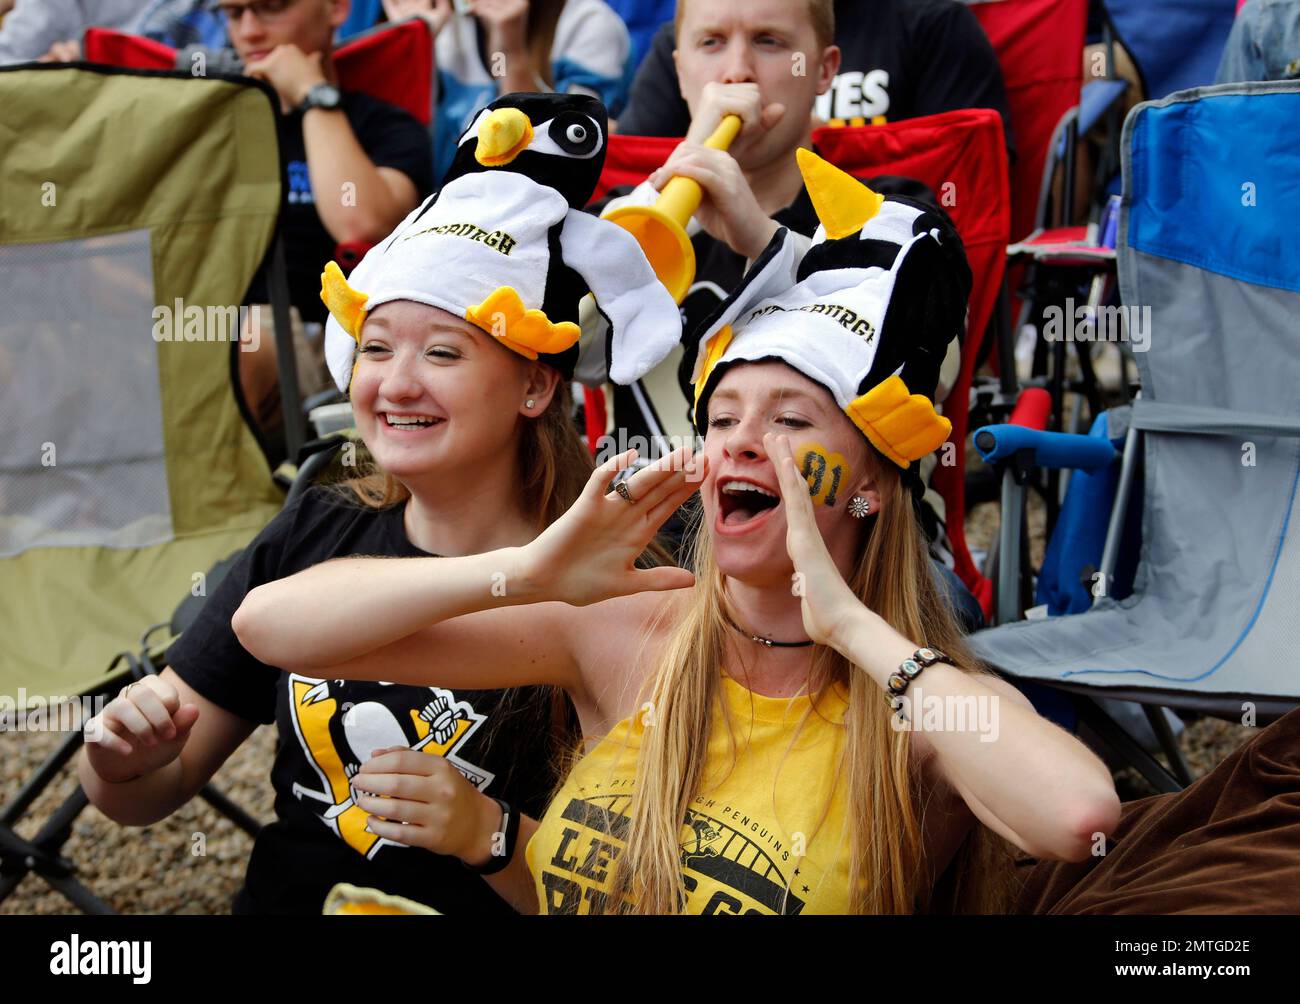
(149,870)
(154,870)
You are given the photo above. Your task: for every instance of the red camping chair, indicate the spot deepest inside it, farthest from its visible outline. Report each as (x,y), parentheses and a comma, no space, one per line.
(961,156)
(1039,45)
(392,62)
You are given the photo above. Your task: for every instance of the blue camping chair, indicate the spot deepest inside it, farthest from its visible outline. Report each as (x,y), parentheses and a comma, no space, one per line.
(643,19)
(1176,44)
(1211,193)
(363,16)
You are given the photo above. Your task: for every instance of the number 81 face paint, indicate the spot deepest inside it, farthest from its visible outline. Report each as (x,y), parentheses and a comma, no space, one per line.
(828,473)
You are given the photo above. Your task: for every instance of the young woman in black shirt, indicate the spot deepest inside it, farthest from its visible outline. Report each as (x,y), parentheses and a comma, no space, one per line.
(500,460)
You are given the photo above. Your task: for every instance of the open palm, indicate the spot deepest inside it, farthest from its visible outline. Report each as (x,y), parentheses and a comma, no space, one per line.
(826,602)
(589,554)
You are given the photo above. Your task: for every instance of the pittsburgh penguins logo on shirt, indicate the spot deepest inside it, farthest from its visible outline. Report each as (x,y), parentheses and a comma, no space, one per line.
(339,723)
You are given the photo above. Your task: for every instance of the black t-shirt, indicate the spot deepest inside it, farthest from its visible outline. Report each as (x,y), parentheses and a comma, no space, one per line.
(500,740)
(390,137)
(901,59)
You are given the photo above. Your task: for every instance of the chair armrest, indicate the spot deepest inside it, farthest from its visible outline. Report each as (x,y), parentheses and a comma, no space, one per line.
(1049,449)
(1155,416)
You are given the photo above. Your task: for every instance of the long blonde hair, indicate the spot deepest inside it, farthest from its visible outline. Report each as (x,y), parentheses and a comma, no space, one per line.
(893,578)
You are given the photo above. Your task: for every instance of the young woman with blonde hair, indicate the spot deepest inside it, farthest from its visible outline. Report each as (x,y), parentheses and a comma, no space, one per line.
(744,751)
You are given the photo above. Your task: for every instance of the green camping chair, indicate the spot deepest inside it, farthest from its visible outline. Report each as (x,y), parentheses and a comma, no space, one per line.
(135,208)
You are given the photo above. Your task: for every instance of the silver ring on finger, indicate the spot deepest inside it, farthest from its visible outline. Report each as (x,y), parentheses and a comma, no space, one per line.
(624,492)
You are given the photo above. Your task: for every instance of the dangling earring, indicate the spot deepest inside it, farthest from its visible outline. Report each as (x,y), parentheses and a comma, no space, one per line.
(858,507)
(529,403)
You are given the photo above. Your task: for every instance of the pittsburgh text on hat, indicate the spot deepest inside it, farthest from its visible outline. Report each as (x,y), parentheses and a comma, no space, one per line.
(498,240)
(848,318)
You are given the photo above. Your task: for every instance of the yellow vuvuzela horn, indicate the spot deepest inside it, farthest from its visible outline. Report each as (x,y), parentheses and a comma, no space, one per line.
(661,229)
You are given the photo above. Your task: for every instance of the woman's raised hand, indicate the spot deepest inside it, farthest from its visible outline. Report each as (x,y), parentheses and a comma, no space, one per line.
(589,553)
(826,602)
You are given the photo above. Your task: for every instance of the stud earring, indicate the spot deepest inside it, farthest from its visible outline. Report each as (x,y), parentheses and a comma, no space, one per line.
(529,403)
(859,507)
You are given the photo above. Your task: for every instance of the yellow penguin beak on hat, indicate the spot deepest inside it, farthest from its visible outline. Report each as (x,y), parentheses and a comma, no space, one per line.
(843,203)
(345,303)
(901,425)
(502,136)
(528,332)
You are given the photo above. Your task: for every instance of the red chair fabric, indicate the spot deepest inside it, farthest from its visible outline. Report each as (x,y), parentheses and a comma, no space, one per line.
(1039,45)
(115,48)
(629,159)
(594,416)
(1033,409)
(1063,246)
(961,156)
(393,62)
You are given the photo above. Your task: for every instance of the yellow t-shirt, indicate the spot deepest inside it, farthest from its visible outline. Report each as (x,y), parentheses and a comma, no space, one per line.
(742,843)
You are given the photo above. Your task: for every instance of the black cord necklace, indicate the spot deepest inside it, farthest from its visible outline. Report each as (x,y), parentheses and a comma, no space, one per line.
(767,641)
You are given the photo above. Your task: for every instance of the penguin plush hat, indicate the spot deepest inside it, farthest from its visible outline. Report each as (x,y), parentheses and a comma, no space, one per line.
(868,312)
(505,244)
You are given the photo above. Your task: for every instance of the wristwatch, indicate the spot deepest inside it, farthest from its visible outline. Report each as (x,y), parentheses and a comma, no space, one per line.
(322,95)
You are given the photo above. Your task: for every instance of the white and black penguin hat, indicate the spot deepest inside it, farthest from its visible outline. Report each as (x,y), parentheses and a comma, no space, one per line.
(867,313)
(505,244)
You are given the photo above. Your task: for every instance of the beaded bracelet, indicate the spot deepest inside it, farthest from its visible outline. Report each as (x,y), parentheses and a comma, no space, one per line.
(908,670)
